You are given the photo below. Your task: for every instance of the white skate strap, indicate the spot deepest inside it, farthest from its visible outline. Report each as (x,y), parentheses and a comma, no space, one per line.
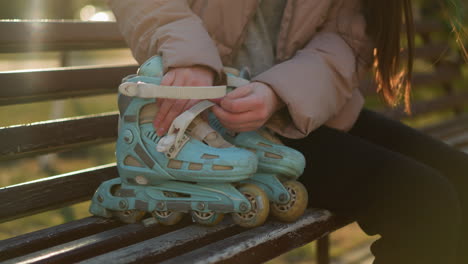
(204,132)
(170,144)
(236,81)
(149,90)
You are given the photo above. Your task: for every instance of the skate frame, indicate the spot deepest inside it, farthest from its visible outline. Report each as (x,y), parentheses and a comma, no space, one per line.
(97,240)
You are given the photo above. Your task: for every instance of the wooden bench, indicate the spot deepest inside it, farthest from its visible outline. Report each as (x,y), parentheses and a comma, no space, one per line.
(97,240)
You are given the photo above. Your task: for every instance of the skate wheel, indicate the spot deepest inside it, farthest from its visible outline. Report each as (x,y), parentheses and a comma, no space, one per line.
(129,216)
(207,219)
(168,217)
(296,206)
(260,207)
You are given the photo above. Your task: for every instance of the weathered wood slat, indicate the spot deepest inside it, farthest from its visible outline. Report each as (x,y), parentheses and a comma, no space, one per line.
(431,52)
(169,245)
(26,36)
(264,242)
(51,193)
(95,244)
(49,237)
(49,35)
(56,135)
(448,128)
(36,85)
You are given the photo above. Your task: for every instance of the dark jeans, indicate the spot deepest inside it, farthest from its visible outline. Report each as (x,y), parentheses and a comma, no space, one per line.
(407,187)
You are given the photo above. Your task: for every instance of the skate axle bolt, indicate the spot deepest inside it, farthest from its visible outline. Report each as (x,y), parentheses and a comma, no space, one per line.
(201,206)
(243,207)
(128,136)
(160,205)
(123,204)
(283,197)
(100,199)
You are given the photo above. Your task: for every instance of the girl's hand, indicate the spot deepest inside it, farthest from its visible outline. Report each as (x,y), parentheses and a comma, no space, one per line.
(248,107)
(169,109)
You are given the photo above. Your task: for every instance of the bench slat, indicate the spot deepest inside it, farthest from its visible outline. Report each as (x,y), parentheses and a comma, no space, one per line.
(57,135)
(38,85)
(169,245)
(27,36)
(265,242)
(52,193)
(95,244)
(448,128)
(34,241)
(40,35)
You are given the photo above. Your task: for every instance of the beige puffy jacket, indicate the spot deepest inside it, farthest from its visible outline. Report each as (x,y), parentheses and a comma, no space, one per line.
(322,51)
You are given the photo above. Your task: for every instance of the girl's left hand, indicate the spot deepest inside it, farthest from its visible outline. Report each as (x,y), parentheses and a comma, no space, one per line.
(247,108)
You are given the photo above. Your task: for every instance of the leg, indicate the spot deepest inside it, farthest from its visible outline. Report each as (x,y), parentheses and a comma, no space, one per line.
(410,205)
(400,138)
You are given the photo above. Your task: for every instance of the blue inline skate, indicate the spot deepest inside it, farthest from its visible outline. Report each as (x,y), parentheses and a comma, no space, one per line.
(279,166)
(191,169)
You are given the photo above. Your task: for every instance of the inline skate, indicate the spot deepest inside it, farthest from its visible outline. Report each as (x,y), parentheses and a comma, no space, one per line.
(191,169)
(279,166)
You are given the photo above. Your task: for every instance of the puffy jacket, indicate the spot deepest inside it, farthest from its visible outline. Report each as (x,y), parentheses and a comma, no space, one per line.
(322,51)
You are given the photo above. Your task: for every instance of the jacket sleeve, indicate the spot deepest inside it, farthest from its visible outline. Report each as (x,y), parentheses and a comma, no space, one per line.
(168,28)
(321,78)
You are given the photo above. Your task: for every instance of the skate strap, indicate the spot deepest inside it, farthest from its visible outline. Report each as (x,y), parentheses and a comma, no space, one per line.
(236,81)
(149,90)
(203,132)
(175,139)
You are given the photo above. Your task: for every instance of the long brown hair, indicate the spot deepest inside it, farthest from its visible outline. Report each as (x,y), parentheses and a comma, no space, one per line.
(385,23)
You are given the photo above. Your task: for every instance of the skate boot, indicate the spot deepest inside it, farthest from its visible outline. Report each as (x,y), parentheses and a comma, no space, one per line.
(279,166)
(189,170)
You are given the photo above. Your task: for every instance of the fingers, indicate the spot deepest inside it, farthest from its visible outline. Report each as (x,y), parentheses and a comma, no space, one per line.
(176,109)
(169,109)
(168,78)
(237,119)
(241,105)
(237,122)
(240,92)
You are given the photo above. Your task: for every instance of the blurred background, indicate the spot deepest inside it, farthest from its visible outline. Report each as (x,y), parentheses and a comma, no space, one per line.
(348,242)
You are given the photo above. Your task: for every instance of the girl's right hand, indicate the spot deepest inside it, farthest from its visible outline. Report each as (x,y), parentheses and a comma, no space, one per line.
(169,109)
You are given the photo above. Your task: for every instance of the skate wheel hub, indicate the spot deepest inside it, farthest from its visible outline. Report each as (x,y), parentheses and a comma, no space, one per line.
(292,201)
(253,202)
(282,197)
(203,215)
(243,207)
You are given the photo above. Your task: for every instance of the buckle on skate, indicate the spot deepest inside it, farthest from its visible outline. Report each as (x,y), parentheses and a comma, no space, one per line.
(172,143)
